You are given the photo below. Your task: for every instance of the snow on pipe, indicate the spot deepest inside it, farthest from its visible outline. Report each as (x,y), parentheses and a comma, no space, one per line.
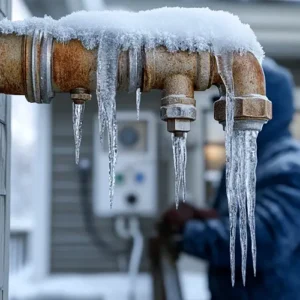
(39,66)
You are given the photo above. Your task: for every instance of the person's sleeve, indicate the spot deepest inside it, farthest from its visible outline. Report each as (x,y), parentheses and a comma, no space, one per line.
(277,227)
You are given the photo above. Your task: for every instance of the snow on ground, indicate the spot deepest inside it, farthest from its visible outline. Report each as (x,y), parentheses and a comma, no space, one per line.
(108,286)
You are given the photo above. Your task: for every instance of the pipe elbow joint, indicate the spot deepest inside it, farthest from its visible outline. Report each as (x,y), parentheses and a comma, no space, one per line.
(251,103)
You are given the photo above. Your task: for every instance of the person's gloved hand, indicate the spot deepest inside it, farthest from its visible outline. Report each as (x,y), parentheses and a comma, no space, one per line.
(173,220)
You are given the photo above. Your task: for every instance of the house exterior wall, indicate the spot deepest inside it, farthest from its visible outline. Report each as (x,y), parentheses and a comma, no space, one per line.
(72,249)
(5,6)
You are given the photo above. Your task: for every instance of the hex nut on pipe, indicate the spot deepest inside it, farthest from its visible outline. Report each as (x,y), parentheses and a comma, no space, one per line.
(80,95)
(247,108)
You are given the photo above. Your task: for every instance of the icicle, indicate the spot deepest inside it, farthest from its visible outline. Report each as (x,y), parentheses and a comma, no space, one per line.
(135,75)
(240,191)
(138,103)
(250,181)
(180,159)
(107,69)
(233,206)
(78,112)
(224,64)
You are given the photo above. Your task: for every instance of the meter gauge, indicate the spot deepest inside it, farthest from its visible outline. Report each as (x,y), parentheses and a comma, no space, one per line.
(129,136)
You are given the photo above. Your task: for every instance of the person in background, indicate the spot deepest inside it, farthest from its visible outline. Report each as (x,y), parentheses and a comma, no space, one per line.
(205,233)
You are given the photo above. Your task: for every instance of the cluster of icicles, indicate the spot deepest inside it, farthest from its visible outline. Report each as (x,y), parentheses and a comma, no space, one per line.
(241,156)
(241,161)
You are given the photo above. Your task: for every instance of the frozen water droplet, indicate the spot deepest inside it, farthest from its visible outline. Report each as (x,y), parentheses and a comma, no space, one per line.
(78,112)
(107,69)
(180,159)
(138,103)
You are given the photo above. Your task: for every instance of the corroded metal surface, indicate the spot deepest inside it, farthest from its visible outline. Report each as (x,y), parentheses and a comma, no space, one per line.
(73,66)
(159,65)
(80,95)
(248,75)
(245,108)
(12,77)
(177,73)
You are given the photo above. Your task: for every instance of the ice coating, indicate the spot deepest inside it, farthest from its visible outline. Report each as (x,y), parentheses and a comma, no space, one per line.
(241,161)
(239,190)
(224,64)
(78,112)
(193,29)
(180,159)
(138,103)
(250,171)
(107,69)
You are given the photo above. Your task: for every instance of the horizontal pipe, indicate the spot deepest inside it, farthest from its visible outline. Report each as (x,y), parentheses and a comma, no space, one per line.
(74,66)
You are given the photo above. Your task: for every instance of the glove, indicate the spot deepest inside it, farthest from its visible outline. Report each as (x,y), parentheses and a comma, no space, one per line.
(173,220)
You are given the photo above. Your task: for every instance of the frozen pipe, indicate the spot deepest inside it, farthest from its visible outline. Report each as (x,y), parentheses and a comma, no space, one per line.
(38,67)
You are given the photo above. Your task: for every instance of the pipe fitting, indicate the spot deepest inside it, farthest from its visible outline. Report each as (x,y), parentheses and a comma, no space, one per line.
(178,116)
(251,104)
(38,67)
(80,95)
(160,64)
(257,109)
(178,106)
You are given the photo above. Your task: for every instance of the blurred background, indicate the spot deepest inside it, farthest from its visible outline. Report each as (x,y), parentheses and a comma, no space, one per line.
(65,241)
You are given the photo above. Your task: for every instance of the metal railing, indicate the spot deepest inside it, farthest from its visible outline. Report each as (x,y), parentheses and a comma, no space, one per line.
(165,278)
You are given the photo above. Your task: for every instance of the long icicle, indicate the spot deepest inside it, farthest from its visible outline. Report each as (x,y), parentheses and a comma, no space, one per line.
(224,64)
(107,69)
(180,159)
(250,166)
(239,137)
(78,113)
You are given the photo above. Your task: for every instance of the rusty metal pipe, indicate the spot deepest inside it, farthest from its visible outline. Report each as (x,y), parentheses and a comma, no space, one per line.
(249,91)
(179,74)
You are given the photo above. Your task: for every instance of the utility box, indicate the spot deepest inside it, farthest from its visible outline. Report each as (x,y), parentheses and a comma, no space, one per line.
(136,170)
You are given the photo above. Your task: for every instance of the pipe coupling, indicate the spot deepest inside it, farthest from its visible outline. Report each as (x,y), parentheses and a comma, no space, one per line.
(178,111)
(251,112)
(38,67)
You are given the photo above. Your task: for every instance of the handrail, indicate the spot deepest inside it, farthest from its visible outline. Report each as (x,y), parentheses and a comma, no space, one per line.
(164,271)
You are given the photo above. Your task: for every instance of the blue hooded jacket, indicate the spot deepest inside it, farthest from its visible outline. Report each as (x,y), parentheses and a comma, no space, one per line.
(277,212)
